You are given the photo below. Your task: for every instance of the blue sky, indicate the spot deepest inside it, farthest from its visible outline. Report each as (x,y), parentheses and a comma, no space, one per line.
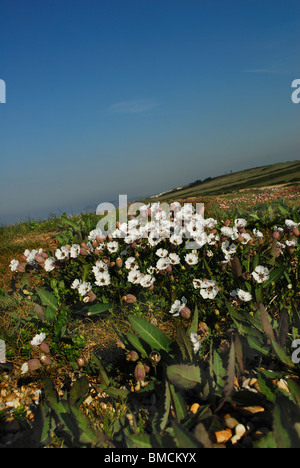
(110,97)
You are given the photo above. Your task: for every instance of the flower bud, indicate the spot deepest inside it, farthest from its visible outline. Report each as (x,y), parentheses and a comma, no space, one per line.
(185,313)
(44,347)
(46,360)
(119,263)
(139,372)
(276,234)
(129,298)
(34,364)
(83,251)
(21,267)
(132,356)
(296,231)
(80,362)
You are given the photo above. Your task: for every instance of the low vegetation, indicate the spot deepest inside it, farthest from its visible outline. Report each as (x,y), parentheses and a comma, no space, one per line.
(148,341)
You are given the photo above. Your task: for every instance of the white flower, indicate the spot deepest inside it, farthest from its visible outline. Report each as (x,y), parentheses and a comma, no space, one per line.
(38,339)
(240,222)
(147,281)
(246,238)
(291,243)
(24,368)
(209,289)
(195,342)
(227,231)
(49,264)
(261,274)
(76,283)
(209,253)
(212,239)
(30,254)
(174,259)
(102,279)
(130,263)
(112,247)
(62,253)
(163,263)
(197,283)
(175,239)
(84,288)
(75,251)
(257,233)
(242,295)
(162,253)
(14,265)
(93,234)
(191,259)
(227,248)
(290,223)
(178,306)
(134,276)
(100,267)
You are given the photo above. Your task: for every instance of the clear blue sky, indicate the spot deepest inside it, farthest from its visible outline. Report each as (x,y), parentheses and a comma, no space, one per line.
(110,97)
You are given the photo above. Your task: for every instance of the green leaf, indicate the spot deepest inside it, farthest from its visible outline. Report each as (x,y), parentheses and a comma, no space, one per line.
(230,376)
(218,368)
(183,437)
(138,441)
(257,345)
(71,223)
(150,334)
(295,391)
(178,403)
(194,325)
(98,309)
(78,391)
(185,376)
(281,354)
(134,340)
(47,298)
(97,361)
(275,276)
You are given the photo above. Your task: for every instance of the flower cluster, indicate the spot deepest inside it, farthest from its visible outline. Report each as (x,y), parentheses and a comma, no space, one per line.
(147,251)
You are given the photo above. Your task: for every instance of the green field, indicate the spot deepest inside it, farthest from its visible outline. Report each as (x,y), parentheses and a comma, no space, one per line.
(287,173)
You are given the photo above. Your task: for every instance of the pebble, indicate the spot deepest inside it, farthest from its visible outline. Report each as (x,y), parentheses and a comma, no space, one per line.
(223,436)
(230,422)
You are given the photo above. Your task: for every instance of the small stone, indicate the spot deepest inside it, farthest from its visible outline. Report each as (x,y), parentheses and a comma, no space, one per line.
(223,436)
(231,423)
(240,430)
(194,408)
(252,409)
(253,381)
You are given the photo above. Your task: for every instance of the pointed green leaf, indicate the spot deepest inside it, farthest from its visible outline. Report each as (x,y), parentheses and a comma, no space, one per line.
(184,376)
(150,334)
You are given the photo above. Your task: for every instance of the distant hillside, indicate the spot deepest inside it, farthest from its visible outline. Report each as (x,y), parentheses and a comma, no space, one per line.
(287,173)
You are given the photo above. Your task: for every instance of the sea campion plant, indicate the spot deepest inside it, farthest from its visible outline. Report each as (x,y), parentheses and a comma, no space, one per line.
(234,296)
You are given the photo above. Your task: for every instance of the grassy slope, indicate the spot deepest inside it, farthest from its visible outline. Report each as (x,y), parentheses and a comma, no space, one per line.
(275,174)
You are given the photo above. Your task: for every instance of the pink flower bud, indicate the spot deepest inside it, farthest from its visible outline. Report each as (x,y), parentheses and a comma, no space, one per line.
(46,360)
(276,235)
(39,258)
(21,267)
(132,356)
(44,347)
(139,372)
(92,296)
(129,298)
(83,251)
(185,313)
(119,263)
(34,364)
